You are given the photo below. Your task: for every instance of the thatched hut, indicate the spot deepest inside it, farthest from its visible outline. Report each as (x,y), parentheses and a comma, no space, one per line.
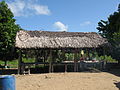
(58,40)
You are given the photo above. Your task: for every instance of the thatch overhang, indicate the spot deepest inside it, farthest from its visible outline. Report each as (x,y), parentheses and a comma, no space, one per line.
(47,39)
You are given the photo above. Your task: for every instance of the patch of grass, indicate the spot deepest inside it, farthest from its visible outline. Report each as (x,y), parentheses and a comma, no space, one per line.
(29,60)
(1,62)
(14,63)
(11,64)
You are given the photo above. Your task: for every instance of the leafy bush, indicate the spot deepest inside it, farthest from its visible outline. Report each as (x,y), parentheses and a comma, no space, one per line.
(107,58)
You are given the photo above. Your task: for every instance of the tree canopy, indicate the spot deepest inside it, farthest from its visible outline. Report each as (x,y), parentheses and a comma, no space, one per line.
(110,29)
(8,29)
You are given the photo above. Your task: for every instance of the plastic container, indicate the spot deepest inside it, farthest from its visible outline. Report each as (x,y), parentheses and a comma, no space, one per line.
(7,82)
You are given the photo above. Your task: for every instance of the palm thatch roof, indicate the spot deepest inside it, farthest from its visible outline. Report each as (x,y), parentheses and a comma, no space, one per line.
(47,39)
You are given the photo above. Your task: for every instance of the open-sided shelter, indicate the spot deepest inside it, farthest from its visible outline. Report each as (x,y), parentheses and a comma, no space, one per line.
(57,40)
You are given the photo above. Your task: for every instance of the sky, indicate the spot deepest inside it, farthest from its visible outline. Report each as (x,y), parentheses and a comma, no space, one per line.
(61,15)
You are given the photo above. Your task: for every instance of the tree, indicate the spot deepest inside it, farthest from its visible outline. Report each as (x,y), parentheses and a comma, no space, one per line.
(110,29)
(119,8)
(8,30)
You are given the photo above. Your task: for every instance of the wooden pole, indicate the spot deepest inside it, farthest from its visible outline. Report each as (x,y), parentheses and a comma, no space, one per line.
(52,67)
(44,52)
(65,67)
(19,62)
(75,61)
(50,61)
(63,55)
(36,57)
(89,54)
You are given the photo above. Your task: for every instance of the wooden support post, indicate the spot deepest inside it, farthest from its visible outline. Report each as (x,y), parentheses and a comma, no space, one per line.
(44,53)
(77,67)
(75,60)
(52,67)
(74,64)
(19,62)
(63,55)
(29,69)
(89,54)
(36,57)
(65,67)
(50,61)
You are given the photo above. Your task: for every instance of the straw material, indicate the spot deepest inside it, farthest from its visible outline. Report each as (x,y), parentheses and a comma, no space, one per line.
(47,39)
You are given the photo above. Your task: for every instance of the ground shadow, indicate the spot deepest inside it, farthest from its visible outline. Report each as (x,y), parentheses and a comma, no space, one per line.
(38,70)
(113,68)
(114,71)
(117,85)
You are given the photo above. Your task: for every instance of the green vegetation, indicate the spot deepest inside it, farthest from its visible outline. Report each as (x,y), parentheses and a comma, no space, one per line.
(11,64)
(29,60)
(110,29)
(107,58)
(8,30)
(68,57)
(14,63)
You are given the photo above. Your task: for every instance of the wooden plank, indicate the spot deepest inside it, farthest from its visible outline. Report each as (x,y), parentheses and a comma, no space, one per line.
(19,61)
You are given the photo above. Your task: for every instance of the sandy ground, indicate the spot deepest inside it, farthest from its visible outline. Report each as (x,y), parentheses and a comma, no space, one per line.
(68,81)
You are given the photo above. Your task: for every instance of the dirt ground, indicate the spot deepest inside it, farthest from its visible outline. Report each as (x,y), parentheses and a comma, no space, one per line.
(68,81)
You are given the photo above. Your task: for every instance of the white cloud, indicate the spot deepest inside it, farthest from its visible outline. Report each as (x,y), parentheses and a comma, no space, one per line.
(28,7)
(85,23)
(60,26)
(17,7)
(40,9)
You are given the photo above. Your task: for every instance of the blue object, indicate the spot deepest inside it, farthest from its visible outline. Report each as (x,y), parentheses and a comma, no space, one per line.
(7,82)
